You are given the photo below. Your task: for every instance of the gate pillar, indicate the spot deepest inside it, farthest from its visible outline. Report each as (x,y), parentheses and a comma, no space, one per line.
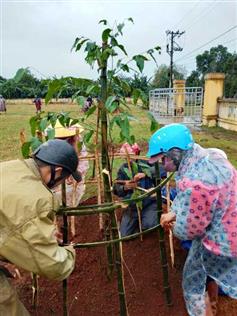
(179,98)
(214,83)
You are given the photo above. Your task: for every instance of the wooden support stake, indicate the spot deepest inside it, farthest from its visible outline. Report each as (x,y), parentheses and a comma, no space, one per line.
(163,256)
(171,242)
(65,241)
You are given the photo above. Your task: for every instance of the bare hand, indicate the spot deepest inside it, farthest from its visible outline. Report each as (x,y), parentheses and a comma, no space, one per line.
(130,185)
(69,180)
(139,176)
(167,220)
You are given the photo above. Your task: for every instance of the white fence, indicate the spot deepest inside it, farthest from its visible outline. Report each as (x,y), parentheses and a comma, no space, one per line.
(177,105)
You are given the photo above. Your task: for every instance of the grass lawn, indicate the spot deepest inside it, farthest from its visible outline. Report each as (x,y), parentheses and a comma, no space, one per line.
(18,115)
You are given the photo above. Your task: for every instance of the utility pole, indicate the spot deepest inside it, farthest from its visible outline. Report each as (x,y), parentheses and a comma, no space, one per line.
(171,48)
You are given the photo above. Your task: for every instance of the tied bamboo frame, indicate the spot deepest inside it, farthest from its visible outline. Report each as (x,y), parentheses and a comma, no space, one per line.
(109,208)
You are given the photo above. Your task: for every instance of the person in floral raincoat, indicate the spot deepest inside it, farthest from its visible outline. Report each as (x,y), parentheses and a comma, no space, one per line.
(204,211)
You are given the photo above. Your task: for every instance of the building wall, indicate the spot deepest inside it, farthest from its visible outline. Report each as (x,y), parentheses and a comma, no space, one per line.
(227,113)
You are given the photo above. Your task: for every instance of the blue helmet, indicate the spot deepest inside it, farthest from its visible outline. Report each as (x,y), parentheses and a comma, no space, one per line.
(170,136)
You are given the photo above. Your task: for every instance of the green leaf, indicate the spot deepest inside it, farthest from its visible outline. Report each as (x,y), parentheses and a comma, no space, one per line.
(53,88)
(19,74)
(33,125)
(154,124)
(105,34)
(158,48)
(145,169)
(79,45)
(110,104)
(132,139)
(135,95)
(134,167)
(88,136)
(144,97)
(91,110)
(73,122)
(77,40)
(125,128)
(120,27)
(139,59)
(128,173)
(25,150)
(131,20)
(90,46)
(50,133)
(124,67)
(63,119)
(35,143)
(106,53)
(103,21)
(43,124)
(113,41)
(110,74)
(80,100)
(122,49)
(92,88)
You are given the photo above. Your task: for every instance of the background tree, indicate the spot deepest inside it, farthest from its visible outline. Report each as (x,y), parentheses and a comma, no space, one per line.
(214,60)
(194,80)
(162,75)
(217,59)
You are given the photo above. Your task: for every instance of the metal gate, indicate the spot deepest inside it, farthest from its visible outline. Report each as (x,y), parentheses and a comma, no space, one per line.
(173,105)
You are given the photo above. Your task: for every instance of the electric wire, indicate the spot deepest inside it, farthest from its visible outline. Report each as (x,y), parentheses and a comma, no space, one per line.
(212,40)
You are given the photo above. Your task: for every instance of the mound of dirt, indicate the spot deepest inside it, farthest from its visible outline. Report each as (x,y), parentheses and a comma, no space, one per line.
(91,293)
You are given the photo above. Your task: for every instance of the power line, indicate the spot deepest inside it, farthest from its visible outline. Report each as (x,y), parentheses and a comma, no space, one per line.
(38,72)
(229,41)
(187,13)
(229,30)
(201,15)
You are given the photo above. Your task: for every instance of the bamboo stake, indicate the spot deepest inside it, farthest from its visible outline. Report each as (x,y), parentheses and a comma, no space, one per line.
(72,219)
(118,263)
(114,155)
(163,256)
(105,162)
(170,231)
(107,207)
(97,171)
(139,220)
(137,207)
(118,240)
(65,240)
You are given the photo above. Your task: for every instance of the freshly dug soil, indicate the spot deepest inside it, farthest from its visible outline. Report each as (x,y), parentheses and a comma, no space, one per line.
(91,293)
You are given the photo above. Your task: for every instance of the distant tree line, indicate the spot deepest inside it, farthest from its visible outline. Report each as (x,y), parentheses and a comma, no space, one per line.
(217,59)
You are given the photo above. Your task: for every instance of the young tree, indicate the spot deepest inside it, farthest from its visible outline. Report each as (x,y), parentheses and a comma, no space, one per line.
(112,109)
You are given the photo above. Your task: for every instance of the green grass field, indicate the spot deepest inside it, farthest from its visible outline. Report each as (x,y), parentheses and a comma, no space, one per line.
(18,115)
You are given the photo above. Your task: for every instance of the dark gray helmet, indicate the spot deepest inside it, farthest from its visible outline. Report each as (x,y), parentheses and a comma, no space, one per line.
(58,152)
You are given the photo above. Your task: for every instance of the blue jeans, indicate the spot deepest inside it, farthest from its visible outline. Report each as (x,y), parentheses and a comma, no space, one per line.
(130,223)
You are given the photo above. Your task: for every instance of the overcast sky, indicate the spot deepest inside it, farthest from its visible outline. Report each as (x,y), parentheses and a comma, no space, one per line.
(40,34)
